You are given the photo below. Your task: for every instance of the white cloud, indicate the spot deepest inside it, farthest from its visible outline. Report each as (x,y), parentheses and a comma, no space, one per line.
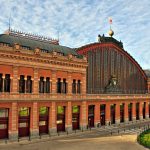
(79,22)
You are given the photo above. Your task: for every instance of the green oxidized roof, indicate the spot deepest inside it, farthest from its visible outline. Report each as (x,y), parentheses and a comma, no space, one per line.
(32,44)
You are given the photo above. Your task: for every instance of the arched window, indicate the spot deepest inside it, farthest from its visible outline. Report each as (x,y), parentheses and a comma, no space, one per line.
(22,84)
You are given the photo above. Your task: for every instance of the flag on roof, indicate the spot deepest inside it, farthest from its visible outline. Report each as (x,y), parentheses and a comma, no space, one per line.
(110,20)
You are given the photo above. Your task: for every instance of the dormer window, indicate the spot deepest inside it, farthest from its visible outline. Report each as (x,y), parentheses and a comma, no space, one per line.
(44,51)
(5,44)
(26,47)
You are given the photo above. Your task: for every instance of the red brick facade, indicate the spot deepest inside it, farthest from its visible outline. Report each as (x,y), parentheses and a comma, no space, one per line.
(27,63)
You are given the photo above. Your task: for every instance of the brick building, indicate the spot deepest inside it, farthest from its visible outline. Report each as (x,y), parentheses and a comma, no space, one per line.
(47,88)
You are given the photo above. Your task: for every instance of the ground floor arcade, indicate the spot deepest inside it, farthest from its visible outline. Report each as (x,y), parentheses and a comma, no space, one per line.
(22,119)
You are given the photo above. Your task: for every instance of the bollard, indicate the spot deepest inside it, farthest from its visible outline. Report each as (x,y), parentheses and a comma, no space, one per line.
(5,141)
(29,138)
(118,131)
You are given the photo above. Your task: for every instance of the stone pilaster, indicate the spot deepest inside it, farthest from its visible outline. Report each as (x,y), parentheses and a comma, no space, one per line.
(140,110)
(69,83)
(83,90)
(34,130)
(117,113)
(15,85)
(97,114)
(107,113)
(133,111)
(52,125)
(54,82)
(147,110)
(36,82)
(84,115)
(126,117)
(13,122)
(69,118)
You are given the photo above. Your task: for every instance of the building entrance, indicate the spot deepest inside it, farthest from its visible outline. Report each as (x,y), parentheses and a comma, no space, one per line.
(102,114)
(60,118)
(91,116)
(24,122)
(43,120)
(130,111)
(122,113)
(75,117)
(137,111)
(112,111)
(3,123)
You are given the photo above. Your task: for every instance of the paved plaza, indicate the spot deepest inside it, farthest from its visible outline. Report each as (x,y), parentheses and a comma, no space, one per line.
(97,139)
(102,143)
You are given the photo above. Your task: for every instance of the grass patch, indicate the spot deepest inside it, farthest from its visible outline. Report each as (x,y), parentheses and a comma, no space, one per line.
(144,138)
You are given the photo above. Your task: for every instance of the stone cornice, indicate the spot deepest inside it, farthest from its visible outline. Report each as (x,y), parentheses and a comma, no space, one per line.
(72,97)
(43,58)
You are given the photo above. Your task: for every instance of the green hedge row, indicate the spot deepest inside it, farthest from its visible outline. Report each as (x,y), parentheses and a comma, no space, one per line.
(144,138)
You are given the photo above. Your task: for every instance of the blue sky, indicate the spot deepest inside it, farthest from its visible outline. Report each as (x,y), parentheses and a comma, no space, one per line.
(80,21)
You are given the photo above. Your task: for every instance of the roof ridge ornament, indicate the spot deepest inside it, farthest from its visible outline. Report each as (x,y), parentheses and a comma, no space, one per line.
(13,32)
(110,32)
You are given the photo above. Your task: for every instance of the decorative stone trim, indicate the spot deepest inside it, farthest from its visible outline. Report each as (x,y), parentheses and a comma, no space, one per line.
(70,56)
(37,51)
(17,47)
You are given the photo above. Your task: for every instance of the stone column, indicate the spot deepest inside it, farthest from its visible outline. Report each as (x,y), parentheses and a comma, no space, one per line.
(126,117)
(107,113)
(133,111)
(54,81)
(141,110)
(97,114)
(13,122)
(117,113)
(52,124)
(36,82)
(15,81)
(84,115)
(69,117)
(34,130)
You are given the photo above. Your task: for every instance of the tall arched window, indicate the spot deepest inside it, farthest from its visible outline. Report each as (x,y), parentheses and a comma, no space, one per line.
(29,85)
(7,83)
(1,83)
(41,85)
(22,84)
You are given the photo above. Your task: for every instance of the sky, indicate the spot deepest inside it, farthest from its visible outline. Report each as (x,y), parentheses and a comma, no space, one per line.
(78,22)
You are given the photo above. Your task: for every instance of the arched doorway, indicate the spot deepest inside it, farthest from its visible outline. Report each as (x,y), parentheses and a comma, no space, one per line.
(112,111)
(130,111)
(102,114)
(3,123)
(43,120)
(122,113)
(75,117)
(24,122)
(137,111)
(144,110)
(91,116)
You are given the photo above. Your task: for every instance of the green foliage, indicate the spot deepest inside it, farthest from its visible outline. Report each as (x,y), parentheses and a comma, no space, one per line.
(75,109)
(24,111)
(60,110)
(43,110)
(144,138)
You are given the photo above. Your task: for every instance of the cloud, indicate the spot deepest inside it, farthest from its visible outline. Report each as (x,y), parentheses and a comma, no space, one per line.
(79,22)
